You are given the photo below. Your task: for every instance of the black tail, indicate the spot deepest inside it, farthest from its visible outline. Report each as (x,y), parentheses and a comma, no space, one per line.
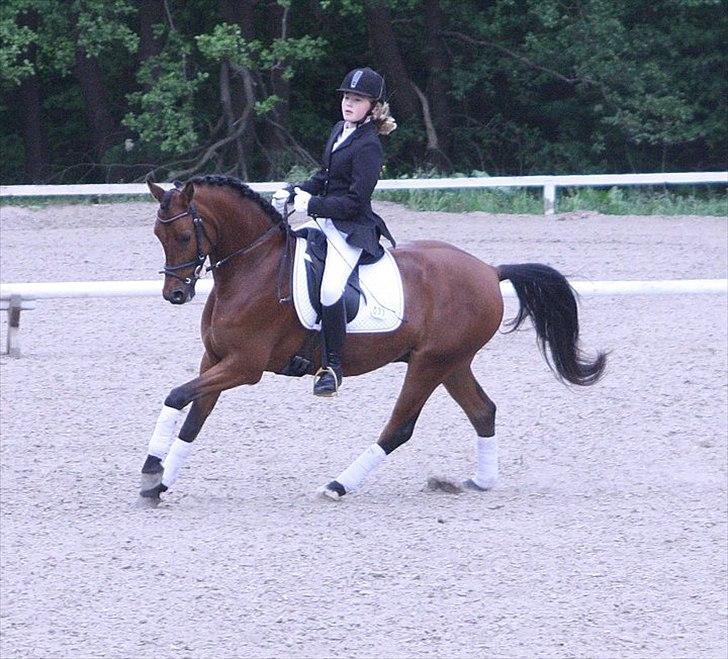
(548,298)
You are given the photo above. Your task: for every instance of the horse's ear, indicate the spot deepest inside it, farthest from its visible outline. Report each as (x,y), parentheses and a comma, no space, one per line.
(188,192)
(157,192)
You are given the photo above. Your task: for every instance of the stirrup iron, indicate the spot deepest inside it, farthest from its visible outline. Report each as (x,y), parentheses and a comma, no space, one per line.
(323,371)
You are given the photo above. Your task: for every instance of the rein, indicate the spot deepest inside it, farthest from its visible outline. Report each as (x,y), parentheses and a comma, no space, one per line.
(244,250)
(199,261)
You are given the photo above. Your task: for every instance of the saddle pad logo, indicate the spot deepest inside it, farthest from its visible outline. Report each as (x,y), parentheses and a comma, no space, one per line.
(357,77)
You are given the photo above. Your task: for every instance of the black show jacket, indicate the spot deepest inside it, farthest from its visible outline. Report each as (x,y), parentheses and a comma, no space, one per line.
(342,189)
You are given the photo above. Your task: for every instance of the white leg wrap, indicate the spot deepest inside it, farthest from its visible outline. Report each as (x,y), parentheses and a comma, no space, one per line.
(486,449)
(353,476)
(175,460)
(165,431)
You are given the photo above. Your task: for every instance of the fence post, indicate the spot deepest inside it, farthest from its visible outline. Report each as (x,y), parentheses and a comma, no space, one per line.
(13,339)
(549,198)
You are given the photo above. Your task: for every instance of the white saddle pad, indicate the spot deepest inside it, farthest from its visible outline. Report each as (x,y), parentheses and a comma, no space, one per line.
(380,282)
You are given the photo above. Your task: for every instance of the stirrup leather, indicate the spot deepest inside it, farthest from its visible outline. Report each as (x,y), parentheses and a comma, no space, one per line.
(330,370)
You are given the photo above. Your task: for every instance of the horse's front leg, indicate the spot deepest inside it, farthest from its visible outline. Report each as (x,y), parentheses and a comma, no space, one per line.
(166,454)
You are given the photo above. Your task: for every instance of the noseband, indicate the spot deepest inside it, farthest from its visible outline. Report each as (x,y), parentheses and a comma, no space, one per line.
(200,233)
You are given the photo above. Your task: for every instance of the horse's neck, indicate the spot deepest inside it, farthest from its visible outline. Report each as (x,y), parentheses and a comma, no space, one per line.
(238,227)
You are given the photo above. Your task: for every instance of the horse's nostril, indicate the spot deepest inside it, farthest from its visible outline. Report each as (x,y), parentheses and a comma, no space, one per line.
(177,297)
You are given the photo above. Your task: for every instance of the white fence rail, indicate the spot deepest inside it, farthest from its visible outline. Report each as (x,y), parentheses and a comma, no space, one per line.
(550,184)
(18,297)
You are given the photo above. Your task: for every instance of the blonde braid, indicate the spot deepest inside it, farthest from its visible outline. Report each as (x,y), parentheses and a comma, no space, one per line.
(385,121)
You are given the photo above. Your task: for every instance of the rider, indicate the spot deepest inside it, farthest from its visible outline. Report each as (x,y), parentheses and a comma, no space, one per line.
(338,197)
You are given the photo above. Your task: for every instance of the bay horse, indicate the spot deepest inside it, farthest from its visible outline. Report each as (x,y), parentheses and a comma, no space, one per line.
(453,306)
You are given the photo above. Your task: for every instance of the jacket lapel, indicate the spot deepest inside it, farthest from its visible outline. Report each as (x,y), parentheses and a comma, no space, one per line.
(362,130)
(338,129)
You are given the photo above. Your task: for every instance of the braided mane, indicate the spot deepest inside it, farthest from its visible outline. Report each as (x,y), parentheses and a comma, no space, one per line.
(244,190)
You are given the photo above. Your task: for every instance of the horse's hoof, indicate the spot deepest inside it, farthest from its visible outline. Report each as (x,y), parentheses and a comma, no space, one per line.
(147,502)
(153,492)
(333,490)
(150,481)
(471,485)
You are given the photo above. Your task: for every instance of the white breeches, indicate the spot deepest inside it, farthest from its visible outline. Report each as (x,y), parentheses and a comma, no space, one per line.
(341,259)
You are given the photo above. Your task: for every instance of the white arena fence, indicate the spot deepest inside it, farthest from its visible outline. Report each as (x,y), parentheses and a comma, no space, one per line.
(549,184)
(15,298)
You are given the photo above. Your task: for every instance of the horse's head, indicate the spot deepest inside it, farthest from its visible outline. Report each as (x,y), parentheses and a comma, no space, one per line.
(182,233)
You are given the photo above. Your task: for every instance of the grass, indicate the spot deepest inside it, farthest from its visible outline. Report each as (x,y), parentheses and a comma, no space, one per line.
(643,200)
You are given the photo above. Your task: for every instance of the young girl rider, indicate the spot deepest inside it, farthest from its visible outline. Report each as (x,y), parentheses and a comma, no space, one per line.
(338,197)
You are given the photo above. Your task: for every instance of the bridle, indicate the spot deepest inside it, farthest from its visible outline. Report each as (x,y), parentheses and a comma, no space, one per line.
(201,233)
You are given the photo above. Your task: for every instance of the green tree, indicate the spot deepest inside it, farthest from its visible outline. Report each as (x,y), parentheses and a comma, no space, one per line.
(110,89)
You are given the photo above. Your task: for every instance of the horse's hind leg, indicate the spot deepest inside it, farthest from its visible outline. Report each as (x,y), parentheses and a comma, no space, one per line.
(166,455)
(421,380)
(466,391)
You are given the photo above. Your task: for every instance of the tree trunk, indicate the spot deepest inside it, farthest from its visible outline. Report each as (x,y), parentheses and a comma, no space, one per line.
(88,74)
(437,87)
(37,154)
(229,113)
(279,86)
(236,89)
(405,102)
(151,13)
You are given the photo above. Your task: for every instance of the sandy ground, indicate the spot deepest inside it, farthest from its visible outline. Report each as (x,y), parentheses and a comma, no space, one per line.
(606,535)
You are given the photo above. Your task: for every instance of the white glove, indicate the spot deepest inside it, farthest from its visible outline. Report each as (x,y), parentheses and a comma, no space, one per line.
(280,199)
(300,201)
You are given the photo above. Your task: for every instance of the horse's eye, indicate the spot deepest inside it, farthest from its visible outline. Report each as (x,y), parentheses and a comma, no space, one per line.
(185,237)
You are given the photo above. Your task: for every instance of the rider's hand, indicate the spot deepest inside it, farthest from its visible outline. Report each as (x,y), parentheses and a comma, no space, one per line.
(300,201)
(280,198)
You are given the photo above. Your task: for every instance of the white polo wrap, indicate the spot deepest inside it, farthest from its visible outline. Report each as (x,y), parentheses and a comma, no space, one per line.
(165,431)
(174,461)
(486,450)
(354,475)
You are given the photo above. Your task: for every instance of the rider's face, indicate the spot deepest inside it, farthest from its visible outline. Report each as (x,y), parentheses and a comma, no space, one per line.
(354,107)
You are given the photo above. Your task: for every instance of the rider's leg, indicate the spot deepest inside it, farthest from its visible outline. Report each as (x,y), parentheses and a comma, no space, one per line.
(333,333)
(341,259)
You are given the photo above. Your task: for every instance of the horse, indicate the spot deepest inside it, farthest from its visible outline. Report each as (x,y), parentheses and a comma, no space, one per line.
(453,306)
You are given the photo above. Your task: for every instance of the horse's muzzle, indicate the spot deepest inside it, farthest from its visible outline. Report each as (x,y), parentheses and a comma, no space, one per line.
(180,295)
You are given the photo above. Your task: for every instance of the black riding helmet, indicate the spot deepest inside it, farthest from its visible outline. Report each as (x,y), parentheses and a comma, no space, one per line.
(366,82)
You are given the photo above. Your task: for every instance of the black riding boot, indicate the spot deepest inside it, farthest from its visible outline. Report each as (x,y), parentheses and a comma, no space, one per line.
(333,333)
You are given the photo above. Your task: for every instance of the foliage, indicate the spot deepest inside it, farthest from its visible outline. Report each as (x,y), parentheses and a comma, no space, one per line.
(680,200)
(532,86)
(647,201)
(165,114)
(15,40)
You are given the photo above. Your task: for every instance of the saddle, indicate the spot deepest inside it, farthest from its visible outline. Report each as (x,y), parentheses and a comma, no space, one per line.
(315,260)
(373,297)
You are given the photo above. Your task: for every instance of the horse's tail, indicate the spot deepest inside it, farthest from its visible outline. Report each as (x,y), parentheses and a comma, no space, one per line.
(547,297)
